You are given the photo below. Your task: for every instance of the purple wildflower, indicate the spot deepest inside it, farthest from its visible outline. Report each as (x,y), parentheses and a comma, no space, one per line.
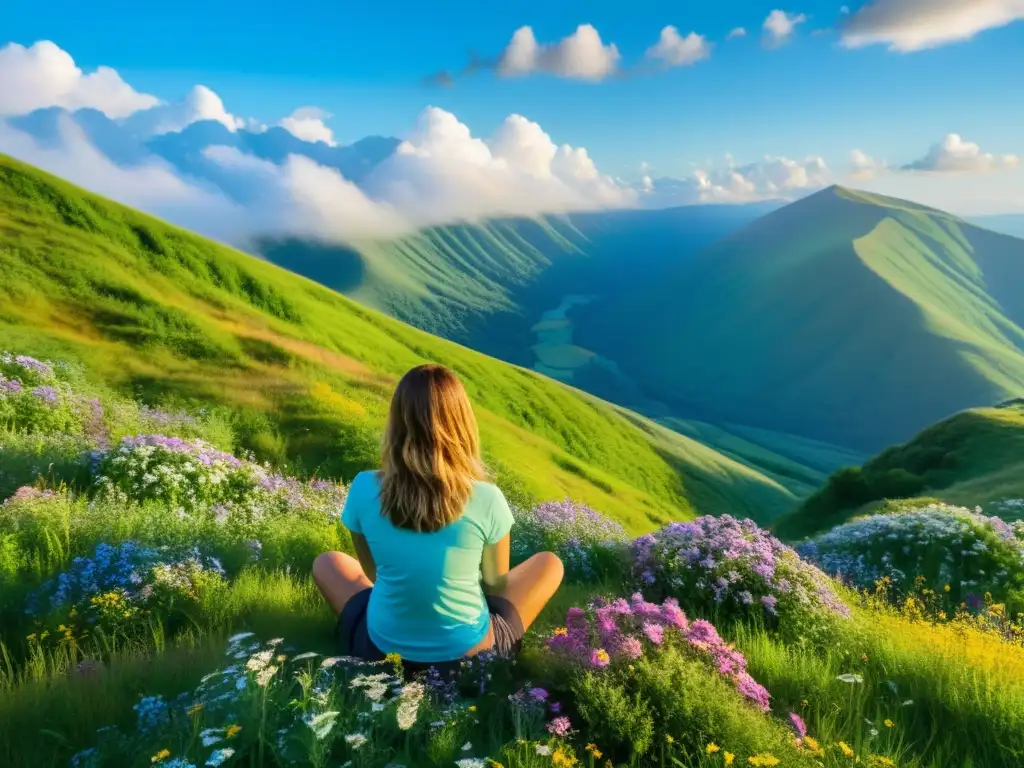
(539,694)
(560,726)
(47,394)
(655,633)
(798,724)
(599,658)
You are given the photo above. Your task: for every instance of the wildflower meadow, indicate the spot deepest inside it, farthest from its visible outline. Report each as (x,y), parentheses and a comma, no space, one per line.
(156,609)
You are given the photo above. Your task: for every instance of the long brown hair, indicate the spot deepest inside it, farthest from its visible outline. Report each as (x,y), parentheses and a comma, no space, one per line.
(430,457)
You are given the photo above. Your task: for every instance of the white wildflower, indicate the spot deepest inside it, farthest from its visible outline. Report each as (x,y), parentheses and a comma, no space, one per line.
(322,724)
(851,677)
(355,740)
(264,677)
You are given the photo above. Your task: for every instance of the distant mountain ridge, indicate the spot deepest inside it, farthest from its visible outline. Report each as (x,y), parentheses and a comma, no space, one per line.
(845,317)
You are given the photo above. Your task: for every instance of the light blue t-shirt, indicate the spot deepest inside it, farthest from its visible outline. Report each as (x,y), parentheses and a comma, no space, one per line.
(427,604)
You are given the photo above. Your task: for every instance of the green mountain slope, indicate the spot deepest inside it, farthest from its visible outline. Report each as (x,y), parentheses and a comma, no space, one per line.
(973,458)
(165,314)
(486,285)
(845,317)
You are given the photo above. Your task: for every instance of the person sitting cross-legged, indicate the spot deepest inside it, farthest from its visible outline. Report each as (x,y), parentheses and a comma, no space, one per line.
(431,581)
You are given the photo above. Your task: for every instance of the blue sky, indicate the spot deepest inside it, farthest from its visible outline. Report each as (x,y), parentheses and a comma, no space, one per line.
(363,63)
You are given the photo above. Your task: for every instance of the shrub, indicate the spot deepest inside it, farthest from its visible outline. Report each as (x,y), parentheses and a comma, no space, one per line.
(620,632)
(589,544)
(734,569)
(954,551)
(648,683)
(117,586)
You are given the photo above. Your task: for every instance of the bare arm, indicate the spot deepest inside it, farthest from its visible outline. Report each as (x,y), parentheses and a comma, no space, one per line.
(494,565)
(365,558)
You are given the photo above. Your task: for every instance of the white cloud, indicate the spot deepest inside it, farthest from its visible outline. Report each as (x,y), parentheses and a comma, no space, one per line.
(736,32)
(307,123)
(913,25)
(199,104)
(674,50)
(441,172)
(301,197)
(779,26)
(863,166)
(582,55)
(771,178)
(954,155)
(43,75)
(153,186)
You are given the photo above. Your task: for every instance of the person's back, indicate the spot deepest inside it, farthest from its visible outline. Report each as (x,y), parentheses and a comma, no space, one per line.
(427,603)
(432,580)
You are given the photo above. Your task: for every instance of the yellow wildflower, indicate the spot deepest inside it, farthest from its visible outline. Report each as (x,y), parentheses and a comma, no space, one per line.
(766,759)
(561,632)
(393,659)
(472,707)
(712,748)
(845,749)
(889,723)
(561,760)
(812,744)
(729,758)
(946,588)
(160,755)
(232,730)
(880,761)
(592,749)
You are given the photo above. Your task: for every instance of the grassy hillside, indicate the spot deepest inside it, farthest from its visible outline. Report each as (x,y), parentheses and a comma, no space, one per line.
(307,373)
(487,284)
(845,317)
(973,458)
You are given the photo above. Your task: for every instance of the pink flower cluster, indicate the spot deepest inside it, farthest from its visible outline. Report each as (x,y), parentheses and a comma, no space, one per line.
(622,630)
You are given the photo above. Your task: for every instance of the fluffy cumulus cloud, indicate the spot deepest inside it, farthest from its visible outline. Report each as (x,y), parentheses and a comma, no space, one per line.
(43,75)
(152,186)
(913,25)
(955,155)
(582,55)
(675,50)
(863,166)
(779,26)
(772,178)
(199,104)
(307,123)
(736,32)
(441,172)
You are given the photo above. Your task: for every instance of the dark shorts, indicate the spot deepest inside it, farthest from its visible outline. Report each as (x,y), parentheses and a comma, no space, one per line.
(355,639)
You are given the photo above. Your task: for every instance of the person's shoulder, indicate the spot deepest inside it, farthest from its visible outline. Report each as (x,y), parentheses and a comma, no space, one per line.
(488,497)
(365,482)
(482,489)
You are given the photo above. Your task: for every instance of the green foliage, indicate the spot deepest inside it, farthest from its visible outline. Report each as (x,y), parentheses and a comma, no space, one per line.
(969,458)
(671,705)
(155,313)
